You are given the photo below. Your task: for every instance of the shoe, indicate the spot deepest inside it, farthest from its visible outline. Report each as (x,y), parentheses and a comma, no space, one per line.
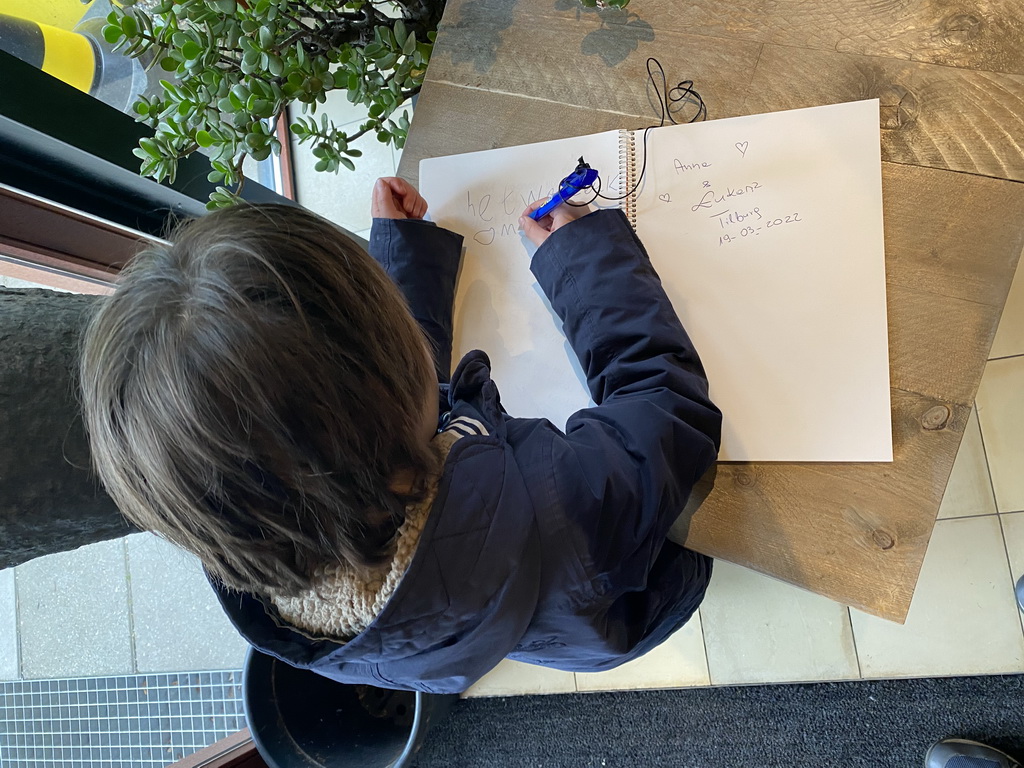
(1020,593)
(959,753)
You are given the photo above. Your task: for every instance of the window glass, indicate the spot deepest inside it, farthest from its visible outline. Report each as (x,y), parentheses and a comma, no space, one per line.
(64,38)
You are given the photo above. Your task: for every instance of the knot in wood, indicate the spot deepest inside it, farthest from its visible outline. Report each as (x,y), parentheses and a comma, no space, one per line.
(897,107)
(744,479)
(936,417)
(960,28)
(883,539)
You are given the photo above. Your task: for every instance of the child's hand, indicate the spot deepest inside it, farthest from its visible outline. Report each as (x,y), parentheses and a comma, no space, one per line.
(539,231)
(395,198)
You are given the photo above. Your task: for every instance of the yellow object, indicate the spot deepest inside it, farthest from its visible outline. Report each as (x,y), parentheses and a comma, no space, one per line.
(69,57)
(62,14)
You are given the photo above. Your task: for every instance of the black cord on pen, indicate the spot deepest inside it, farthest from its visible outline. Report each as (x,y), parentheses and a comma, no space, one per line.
(681,92)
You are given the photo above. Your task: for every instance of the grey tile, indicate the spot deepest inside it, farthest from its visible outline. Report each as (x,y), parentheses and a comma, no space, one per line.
(408,109)
(513,678)
(679,662)
(343,198)
(73,613)
(1009,338)
(761,630)
(179,625)
(8,627)
(1001,413)
(969,490)
(341,111)
(14,282)
(962,621)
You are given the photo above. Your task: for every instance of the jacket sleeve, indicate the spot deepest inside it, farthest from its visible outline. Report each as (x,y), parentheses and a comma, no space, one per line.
(423,261)
(625,467)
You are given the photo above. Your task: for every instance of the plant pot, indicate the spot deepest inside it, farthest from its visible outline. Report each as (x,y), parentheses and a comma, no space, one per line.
(299,719)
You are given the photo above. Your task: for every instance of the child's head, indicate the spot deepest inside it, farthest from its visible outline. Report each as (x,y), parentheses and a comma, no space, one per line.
(251,390)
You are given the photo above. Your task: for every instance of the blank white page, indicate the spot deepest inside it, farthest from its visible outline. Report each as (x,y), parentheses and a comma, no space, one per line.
(499,307)
(767,233)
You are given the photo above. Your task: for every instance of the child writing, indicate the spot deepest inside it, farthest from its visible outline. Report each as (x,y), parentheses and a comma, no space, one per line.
(265,394)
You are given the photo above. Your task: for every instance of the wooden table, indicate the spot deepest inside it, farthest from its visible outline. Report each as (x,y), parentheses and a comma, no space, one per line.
(950,77)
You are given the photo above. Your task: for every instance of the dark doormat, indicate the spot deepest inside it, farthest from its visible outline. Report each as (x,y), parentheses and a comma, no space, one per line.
(870,724)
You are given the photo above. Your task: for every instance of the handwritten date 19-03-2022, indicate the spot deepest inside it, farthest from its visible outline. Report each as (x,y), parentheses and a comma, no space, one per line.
(762,225)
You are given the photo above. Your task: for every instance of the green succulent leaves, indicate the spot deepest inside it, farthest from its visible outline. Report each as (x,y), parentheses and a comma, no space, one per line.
(237,66)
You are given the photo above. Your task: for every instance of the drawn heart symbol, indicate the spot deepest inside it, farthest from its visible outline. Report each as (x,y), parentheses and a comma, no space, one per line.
(742,147)
(665,198)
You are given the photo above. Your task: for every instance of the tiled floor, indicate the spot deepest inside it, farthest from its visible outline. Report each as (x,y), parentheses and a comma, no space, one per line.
(344,197)
(118,607)
(158,614)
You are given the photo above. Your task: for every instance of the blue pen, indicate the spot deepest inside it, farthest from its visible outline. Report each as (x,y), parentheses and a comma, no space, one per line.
(583,177)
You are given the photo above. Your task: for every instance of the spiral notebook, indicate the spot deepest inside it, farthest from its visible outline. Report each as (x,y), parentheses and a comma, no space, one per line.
(767,233)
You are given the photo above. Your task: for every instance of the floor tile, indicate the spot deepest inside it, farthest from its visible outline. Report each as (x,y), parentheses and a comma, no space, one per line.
(338,109)
(179,625)
(962,620)
(8,626)
(513,678)
(344,197)
(409,109)
(1013,532)
(969,491)
(1001,413)
(760,630)
(73,613)
(14,282)
(1010,336)
(676,663)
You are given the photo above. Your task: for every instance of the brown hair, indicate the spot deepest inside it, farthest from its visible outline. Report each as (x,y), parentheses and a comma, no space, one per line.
(249,391)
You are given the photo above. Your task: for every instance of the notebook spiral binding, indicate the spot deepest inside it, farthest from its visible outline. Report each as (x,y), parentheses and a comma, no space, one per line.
(627,173)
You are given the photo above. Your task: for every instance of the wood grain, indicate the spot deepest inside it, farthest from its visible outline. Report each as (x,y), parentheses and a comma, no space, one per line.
(609,74)
(930,115)
(951,234)
(955,33)
(856,533)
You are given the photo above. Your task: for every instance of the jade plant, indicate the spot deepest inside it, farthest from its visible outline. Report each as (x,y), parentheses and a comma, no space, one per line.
(238,64)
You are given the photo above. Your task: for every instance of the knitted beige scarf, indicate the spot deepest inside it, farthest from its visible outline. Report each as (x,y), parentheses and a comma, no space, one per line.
(341,603)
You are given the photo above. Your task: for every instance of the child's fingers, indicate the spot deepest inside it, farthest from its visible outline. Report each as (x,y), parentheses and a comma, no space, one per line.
(535,205)
(535,232)
(414,205)
(411,200)
(563,214)
(546,221)
(419,209)
(383,204)
(398,185)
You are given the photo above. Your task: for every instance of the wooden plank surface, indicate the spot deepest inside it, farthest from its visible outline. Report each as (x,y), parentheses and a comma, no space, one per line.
(933,115)
(970,121)
(957,33)
(950,77)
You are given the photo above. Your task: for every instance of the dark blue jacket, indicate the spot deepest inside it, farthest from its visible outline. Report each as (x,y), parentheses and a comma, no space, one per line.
(543,546)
